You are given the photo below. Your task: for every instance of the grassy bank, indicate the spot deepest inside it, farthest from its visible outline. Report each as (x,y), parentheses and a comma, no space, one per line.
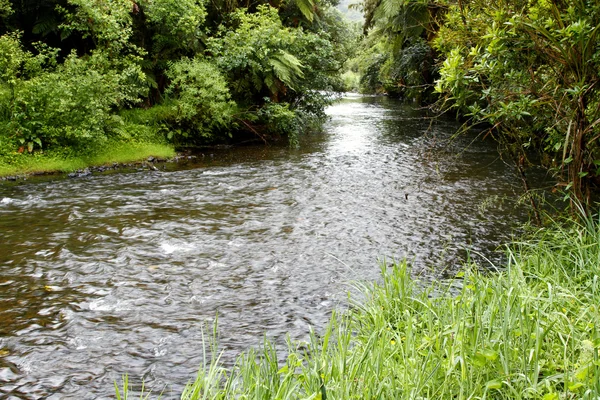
(64,161)
(529,331)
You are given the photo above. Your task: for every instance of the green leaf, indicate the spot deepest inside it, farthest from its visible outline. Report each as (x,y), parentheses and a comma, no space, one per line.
(479,360)
(287,68)
(494,384)
(283,370)
(306,7)
(575,386)
(582,373)
(490,354)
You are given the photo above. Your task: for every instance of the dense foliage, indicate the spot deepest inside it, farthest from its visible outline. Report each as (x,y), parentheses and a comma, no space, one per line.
(78,73)
(527,69)
(533,75)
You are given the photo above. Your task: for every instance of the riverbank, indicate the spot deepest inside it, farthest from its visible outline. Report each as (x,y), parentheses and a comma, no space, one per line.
(113,155)
(527,331)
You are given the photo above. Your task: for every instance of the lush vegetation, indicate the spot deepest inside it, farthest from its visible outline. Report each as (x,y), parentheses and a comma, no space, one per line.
(527,331)
(96,81)
(527,70)
(80,76)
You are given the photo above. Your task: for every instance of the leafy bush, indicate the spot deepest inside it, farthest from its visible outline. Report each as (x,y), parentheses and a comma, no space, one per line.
(107,23)
(254,55)
(70,106)
(201,104)
(174,23)
(533,74)
(5,8)
(279,120)
(409,69)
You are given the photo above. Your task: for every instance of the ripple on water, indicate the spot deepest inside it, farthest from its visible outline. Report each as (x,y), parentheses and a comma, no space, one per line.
(123,273)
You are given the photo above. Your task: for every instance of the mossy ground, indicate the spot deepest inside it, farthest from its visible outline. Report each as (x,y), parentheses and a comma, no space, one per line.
(68,161)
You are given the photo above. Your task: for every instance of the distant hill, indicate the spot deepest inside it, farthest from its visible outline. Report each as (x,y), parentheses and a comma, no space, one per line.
(352,15)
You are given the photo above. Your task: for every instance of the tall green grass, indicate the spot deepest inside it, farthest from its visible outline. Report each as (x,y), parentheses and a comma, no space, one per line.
(528,331)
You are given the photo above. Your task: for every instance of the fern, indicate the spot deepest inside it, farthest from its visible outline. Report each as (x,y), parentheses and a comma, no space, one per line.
(45,25)
(307,8)
(286,67)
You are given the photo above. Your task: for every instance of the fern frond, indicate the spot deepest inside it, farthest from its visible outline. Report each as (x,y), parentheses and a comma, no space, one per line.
(286,67)
(307,8)
(46,24)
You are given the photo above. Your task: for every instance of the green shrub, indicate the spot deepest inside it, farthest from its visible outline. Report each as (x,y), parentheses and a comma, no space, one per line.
(175,24)
(5,9)
(279,120)
(73,105)
(200,106)
(255,55)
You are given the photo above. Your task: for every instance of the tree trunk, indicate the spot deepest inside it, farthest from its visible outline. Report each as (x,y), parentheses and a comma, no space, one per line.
(577,167)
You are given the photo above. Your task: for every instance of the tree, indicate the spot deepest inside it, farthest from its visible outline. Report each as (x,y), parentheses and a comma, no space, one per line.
(254,55)
(404,30)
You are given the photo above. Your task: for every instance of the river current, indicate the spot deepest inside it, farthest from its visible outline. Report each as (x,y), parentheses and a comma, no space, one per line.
(121,273)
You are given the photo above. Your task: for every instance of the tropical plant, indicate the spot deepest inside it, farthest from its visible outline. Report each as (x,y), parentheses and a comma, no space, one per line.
(568,41)
(200,104)
(403,31)
(108,23)
(533,75)
(254,55)
(70,106)
(174,27)
(78,73)
(5,8)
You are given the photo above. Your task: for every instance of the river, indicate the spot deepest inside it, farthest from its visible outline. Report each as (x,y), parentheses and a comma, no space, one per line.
(120,273)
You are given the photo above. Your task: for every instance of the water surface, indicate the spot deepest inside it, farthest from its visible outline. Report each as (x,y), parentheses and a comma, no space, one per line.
(113,274)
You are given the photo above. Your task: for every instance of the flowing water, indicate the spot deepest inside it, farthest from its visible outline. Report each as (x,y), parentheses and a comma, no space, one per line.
(120,273)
